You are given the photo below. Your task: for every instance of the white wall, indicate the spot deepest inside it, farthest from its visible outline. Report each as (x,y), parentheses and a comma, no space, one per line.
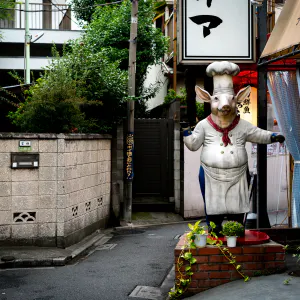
(156,74)
(36,63)
(49,37)
(277,184)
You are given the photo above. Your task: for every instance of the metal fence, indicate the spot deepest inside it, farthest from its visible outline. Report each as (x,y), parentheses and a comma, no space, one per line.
(41,16)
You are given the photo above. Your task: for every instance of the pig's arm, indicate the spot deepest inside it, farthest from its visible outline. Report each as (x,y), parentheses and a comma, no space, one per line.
(194,139)
(257,135)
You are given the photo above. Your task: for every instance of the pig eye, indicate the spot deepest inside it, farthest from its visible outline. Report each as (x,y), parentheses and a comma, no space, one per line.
(216,98)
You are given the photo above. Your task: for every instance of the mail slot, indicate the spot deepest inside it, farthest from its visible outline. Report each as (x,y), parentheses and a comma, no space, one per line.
(24,160)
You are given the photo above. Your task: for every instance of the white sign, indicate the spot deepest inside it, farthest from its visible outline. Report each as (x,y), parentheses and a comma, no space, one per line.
(25,144)
(213,30)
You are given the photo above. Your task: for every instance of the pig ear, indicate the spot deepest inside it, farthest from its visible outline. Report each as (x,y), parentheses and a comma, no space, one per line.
(202,94)
(243,94)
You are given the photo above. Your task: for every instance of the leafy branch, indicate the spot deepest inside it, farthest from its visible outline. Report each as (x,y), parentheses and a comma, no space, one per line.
(226,252)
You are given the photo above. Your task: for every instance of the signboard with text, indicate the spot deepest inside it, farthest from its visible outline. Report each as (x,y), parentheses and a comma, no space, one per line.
(211,30)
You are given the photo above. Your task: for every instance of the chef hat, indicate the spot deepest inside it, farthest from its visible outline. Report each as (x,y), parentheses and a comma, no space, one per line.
(222,72)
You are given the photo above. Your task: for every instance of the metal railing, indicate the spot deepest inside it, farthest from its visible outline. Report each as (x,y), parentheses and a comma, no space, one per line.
(41,16)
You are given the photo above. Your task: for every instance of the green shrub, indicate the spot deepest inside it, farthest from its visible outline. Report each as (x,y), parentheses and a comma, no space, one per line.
(232,228)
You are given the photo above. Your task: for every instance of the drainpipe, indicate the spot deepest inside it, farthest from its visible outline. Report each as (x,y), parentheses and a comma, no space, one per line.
(175,45)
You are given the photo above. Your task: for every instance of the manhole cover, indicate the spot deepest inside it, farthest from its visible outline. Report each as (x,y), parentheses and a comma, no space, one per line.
(7,258)
(295,273)
(126,231)
(106,247)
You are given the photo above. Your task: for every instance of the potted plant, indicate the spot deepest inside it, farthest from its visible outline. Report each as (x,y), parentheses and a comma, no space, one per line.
(198,234)
(232,230)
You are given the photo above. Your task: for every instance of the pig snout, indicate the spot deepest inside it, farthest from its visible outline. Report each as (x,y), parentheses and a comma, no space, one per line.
(224,107)
(223,104)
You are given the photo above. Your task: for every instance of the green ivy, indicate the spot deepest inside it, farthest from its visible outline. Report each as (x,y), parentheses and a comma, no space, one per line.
(186,260)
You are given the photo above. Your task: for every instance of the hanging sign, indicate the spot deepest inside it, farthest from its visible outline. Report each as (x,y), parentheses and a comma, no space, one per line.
(129,156)
(211,30)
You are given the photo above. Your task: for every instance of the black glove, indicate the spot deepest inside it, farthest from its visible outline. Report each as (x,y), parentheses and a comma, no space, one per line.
(184,125)
(277,138)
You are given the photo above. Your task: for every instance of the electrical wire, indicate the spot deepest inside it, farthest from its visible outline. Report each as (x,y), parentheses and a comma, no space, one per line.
(65,14)
(63,9)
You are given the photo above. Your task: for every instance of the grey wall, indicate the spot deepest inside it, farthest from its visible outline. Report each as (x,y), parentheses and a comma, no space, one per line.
(62,201)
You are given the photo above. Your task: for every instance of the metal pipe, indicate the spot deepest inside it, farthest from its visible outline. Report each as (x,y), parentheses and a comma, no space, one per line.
(279,58)
(27,43)
(175,45)
(262,212)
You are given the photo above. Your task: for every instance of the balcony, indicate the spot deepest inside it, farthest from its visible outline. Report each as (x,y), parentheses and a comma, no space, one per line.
(41,16)
(53,22)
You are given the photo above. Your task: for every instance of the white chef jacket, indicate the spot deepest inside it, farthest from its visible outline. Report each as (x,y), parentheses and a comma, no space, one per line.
(226,188)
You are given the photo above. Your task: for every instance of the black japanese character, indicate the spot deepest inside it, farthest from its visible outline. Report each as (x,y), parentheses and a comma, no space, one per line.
(208,3)
(213,22)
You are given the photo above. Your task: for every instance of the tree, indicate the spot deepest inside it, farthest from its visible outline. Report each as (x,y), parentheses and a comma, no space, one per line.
(89,82)
(110,30)
(79,92)
(84,9)
(6,7)
(6,11)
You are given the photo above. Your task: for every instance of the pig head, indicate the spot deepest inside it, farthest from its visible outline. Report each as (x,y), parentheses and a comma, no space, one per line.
(223,104)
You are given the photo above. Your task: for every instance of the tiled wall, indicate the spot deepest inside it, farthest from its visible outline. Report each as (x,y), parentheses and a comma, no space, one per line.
(63,200)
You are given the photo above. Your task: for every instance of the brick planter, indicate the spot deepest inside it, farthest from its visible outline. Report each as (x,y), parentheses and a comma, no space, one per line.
(212,268)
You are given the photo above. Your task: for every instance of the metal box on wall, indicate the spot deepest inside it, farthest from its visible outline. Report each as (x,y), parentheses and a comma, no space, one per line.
(24,160)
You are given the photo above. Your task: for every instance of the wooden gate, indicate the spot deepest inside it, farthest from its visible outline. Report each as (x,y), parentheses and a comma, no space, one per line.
(153,158)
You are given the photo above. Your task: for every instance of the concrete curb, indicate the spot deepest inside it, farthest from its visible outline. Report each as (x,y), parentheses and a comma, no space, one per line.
(131,225)
(76,250)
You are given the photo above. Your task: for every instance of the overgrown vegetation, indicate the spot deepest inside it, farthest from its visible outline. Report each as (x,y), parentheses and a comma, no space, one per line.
(6,11)
(85,89)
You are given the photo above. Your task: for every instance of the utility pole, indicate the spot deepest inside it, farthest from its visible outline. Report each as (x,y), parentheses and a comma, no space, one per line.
(27,44)
(262,213)
(130,111)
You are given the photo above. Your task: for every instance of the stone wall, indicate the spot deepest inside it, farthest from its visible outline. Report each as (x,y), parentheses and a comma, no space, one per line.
(174,114)
(63,200)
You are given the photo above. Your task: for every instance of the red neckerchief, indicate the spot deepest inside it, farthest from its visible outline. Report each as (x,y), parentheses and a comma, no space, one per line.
(225,131)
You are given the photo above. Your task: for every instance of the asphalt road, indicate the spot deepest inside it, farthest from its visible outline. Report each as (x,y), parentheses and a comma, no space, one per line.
(133,258)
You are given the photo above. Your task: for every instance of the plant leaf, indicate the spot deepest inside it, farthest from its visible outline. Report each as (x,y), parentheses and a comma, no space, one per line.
(193,260)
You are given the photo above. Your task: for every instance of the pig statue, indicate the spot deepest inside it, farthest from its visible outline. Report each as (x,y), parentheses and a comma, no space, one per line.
(223,135)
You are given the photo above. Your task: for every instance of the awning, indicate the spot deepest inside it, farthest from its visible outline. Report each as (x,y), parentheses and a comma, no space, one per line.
(285,37)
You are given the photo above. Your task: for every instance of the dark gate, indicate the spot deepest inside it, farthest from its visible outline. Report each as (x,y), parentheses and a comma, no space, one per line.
(153,158)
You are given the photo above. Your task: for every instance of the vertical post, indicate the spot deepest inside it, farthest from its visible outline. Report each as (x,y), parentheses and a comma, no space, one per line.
(130,111)
(190,82)
(27,44)
(262,214)
(175,45)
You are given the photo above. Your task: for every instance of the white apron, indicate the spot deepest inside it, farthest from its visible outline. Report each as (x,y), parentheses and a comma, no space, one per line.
(226,190)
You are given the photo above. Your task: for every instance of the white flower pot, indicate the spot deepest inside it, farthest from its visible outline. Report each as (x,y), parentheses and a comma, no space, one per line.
(231,241)
(200,240)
